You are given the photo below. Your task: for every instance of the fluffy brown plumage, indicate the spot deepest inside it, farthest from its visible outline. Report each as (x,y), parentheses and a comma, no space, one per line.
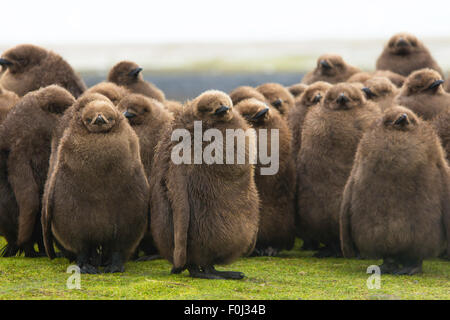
(25,150)
(404,217)
(29,67)
(245,92)
(297,89)
(381,91)
(112,91)
(441,124)
(362,77)
(203,215)
(310,98)
(98,176)
(330,137)
(330,68)
(8,100)
(404,53)
(423,94)
(277,220)
(148,117)
(128,74)
(278,97)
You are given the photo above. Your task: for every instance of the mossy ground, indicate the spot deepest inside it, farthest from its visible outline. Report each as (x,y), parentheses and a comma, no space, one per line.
(293,275)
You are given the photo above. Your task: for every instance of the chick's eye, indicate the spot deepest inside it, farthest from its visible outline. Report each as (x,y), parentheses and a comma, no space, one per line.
(89,119)
(110,119)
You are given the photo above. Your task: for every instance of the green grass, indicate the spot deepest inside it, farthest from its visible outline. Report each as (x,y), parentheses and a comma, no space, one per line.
(293,275)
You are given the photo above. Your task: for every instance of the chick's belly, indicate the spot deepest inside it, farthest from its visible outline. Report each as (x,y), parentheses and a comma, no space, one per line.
(74,229)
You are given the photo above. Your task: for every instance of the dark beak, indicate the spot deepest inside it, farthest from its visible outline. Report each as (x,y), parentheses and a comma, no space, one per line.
(368,92)
(277,103)
(129,115)
(436,84)
(4,62)
(325,64)
(402,43)
(402,120)
(260,114)
(222,110)
(135,72)
(342,99)
(317,98)
(99,120)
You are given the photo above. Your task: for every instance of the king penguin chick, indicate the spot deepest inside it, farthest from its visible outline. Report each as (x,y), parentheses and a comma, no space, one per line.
(29,67)
(423,93)
(204,213)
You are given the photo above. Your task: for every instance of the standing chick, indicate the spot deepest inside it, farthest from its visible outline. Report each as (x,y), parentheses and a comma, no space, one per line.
(277,219)
(404,216)
(97,196)
(330,137)
(25,150)
(204,214)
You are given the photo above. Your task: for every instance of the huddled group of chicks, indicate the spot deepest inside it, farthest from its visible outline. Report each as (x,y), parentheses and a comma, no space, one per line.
(362,172)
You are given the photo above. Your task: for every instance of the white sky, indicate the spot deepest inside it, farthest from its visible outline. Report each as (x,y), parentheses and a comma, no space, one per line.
(131,21)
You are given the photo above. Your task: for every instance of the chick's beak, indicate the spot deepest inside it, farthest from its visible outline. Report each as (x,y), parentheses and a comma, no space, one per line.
(135,72)
(99,120)
(436,84)
(260,114)
(4,62)
(222,110)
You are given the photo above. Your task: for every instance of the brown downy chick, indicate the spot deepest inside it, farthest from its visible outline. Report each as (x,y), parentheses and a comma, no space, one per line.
(29,67)
(278,97)
(128,74)
(297,89)
(404,54)
(25,150)
(381,91)
(423,94)
(277,219)
(404,216)
(362,77)
(98,176)
(245,92)
(330,68)
(330,136)
(310,98)
(112,91)
(204,214)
